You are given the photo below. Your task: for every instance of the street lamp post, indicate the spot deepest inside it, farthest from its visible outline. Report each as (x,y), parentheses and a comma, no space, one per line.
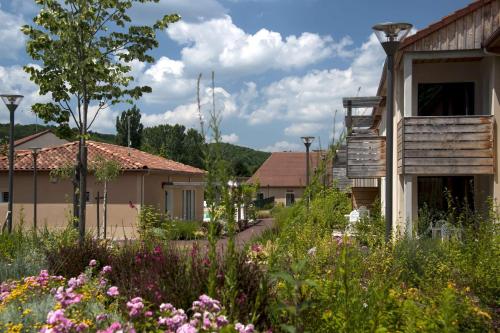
(12,102)
(34,152)
(390,36)
(307,140)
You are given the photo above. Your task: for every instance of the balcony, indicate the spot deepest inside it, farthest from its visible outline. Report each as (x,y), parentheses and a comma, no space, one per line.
(366,156)
(455,145)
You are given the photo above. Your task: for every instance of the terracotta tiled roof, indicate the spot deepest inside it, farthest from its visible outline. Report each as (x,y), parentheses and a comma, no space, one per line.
(285,170)
(30,137)
(128,158)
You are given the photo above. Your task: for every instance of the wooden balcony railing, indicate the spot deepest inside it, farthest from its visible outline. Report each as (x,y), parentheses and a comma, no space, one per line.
(455,145)
(366,156)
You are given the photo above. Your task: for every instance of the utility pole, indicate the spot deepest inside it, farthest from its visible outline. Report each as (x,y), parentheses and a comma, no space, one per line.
(128,131)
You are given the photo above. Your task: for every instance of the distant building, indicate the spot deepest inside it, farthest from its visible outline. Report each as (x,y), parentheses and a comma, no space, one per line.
(42,139)
(145,179)
(283,176)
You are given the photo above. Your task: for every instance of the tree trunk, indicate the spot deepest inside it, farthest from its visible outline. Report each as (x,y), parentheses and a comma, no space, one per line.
(83,172)
(76,184)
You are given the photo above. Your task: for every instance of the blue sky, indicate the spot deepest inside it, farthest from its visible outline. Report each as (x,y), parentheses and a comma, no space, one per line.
(282,66)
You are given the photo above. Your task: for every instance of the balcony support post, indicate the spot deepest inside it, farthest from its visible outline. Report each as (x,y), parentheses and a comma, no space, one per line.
(407,180)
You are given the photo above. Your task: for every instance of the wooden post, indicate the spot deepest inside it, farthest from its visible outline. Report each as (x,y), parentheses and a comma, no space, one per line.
(97,217)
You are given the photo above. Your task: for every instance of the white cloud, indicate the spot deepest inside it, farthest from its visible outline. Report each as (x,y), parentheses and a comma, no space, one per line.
(11,38)
(105,121)
(313,97)
(282,146)
(302,129)
(13,79)
(189,10)
(230,138)
(187,114)
(221,45)
(166,79)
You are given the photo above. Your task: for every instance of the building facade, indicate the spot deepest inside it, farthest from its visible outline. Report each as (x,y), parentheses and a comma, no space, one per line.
(283,176)
(144,180)
(446,111)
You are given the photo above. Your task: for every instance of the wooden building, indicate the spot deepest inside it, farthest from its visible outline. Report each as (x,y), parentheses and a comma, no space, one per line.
(446,113)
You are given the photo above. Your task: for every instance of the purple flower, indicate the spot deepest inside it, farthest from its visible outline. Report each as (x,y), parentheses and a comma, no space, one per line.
(135,306)
(186,328)
(221,321)
(101,317)
(58,322)
(93,263)
(148,314)
(244,329)
(106,270)
(166,307)
(113,291)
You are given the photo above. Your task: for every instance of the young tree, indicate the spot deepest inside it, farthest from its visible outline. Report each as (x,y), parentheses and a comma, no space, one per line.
(83,48)
(130,118)
(105,171)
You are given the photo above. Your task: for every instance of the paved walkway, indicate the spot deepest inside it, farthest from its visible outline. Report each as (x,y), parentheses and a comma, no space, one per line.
(242,238)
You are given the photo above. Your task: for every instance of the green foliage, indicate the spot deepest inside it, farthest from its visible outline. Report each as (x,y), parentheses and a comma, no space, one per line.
(243,161)
(85,49)
(136,128)
(105,170)
(174,142)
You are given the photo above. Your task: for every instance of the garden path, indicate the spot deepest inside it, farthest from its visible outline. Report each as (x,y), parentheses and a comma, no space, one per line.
(242,238)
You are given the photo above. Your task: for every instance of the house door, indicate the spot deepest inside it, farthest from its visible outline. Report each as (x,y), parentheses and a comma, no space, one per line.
(437,195)
(169,204)
(188,208)
(290,198)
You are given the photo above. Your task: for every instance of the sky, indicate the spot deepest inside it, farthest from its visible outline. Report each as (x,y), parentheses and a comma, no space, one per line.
(281,66)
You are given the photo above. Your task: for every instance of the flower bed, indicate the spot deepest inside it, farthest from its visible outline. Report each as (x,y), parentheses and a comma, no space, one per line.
(88,303)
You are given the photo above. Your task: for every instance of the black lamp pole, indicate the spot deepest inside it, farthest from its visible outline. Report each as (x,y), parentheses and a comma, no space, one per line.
(12,102)
(307,140)
(390,36)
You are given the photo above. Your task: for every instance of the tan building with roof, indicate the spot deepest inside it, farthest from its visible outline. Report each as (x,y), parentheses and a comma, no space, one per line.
(446,116)
(283,176)
(42,139)
(145,179)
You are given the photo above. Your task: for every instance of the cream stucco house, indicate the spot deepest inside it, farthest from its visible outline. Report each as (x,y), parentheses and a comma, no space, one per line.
(446,114)
(145,179)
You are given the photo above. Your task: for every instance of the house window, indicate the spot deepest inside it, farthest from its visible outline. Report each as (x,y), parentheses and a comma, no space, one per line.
(188,210)
(446,99)
(290,198)
(5,197)
(169,203)
(260,196)
(87,196)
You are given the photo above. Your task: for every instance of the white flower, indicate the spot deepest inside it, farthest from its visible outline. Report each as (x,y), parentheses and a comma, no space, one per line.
(312,251)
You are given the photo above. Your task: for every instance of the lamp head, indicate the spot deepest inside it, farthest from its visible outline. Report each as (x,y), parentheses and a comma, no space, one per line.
(390,34)
(35,150)
(307,140)
(11,100)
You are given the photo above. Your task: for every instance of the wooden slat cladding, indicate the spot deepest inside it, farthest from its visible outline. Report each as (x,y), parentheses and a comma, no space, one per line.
(458,145)
(366,157)
(465,29)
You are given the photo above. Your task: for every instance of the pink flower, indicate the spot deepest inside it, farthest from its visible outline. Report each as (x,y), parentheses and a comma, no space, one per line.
(113,291)
(148,314)
(106,270)
(93,263)
(101,317)
(186,328)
